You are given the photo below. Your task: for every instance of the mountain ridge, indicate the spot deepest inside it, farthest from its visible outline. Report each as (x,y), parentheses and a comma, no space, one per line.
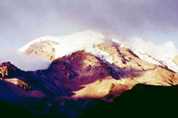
(126,67)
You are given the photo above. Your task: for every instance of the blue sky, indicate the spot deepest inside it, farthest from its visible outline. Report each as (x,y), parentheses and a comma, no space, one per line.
(24,20)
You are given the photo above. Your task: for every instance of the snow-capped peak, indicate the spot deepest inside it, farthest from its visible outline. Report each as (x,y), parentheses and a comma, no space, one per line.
(52,47)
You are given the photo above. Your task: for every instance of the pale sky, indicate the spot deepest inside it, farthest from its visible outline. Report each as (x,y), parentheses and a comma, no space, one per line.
(24,20)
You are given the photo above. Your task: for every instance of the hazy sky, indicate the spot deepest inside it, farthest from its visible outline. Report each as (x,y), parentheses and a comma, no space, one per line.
(24,20)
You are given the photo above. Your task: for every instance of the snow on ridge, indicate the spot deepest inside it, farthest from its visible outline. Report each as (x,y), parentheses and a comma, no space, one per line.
(160,54)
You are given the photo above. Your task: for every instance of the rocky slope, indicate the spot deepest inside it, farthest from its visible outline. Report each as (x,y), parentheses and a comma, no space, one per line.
(102,71)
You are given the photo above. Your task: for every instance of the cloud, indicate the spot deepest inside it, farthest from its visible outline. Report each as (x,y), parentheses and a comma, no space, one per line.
(25,62)
(22,21)
(161,50)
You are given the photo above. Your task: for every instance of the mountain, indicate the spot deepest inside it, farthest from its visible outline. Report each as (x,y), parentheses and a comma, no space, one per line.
(79,76)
